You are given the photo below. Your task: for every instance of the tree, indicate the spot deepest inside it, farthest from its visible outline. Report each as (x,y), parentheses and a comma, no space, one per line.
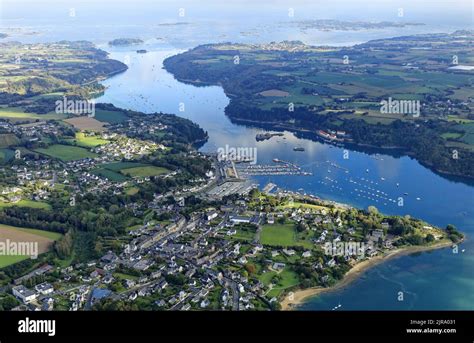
(251,268)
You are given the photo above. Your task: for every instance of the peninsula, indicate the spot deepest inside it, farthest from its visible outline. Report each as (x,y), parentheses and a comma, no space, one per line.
(397,92)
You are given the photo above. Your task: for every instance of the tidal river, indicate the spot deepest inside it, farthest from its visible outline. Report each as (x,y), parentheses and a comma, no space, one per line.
(431,280)
(438,279)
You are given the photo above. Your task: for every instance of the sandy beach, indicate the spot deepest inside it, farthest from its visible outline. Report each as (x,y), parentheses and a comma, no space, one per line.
(300,296)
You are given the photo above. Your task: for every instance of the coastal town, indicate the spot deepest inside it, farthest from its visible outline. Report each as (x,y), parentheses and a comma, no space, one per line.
(130,214)
(214,243)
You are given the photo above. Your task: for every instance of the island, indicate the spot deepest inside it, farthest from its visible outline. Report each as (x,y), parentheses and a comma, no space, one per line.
(398,93)
(125,42)
(342,25)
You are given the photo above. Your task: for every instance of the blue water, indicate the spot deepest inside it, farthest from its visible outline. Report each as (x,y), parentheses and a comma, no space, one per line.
(430,280)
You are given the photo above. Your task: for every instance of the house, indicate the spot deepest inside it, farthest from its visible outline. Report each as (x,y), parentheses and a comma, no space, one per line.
(211,215)
(108,279)
(278,266)
(47,304)
(240,219)
(205,303)
(307,254)
(289,252)
(331,263)
(371,252)
(44,288)
(109,257)
(270,218)
(160,303)
(377,234)
(129,283)
(155,275)
(24,294)
(231,232)
(99,294)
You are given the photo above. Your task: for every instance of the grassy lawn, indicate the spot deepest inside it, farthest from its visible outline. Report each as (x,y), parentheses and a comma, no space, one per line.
(6,260)
(302,205)
(243,235)
(121,276)
(278,234)
(146,171)
(66,152)
(109,174)
(453,135)
(459,120)
(27,203)
(133,228)
(287,280)
(284,235)
(132,191)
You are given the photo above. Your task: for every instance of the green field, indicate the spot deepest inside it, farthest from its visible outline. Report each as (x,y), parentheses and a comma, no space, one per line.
(146,171)
(8,139)
(110,174)
(19,113)
(6,155)
(118,166)
(287,279)
(66,152)
(132,191)
(112,117)
(88,141)
(277,234)
(284,235)
(6,260)
(27,203)
(23,234)
(42,233)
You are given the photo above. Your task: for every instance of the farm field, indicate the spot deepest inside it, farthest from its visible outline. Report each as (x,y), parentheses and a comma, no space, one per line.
(145,171)
(6,155)
(110,174)
(66,152)
(7,140)
(86,123)
(19,113)
(112,117)
(27,203)
(88,141)
(44,239)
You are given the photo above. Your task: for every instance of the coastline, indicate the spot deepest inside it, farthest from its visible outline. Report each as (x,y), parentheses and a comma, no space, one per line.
(300,296)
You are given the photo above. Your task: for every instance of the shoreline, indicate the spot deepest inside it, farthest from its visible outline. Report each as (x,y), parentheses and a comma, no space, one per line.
(302,295)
